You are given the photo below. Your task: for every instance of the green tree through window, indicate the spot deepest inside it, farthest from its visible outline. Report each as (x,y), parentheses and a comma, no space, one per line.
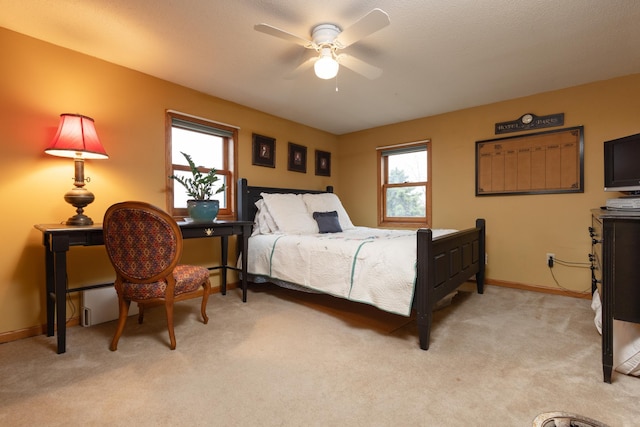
(404,202)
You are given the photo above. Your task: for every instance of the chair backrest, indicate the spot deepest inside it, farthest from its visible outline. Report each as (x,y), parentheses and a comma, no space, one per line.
(143,242)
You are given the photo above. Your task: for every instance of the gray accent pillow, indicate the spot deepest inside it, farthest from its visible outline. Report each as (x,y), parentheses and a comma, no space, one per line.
(327,222)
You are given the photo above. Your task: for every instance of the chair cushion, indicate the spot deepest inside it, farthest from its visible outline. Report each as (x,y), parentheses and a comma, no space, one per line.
(188,279)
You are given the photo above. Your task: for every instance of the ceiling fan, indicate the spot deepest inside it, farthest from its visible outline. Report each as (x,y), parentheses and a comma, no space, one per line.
(327,39)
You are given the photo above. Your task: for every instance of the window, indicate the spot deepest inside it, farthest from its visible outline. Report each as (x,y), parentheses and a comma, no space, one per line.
(405,186)
(211,145)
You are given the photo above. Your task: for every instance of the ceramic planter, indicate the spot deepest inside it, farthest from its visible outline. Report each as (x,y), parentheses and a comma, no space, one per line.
(203,210)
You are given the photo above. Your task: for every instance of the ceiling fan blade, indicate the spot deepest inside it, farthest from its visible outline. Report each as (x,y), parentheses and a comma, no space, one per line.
(300,69)
(359,66)
(281,34)
(374,21)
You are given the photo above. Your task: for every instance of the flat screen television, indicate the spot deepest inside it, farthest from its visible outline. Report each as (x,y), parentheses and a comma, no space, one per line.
(622,164)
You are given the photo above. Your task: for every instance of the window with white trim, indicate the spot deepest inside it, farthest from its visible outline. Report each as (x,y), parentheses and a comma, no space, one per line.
(211,146)
(405,186)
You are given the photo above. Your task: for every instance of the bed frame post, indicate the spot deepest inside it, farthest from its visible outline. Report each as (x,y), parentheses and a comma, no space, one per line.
(425,278)
(243,210)
(243,200)
(480,223)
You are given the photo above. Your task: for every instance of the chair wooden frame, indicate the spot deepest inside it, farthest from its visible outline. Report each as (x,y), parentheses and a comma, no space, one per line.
(163,273)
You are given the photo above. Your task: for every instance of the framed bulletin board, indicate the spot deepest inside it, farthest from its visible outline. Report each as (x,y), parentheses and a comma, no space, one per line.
(544,162)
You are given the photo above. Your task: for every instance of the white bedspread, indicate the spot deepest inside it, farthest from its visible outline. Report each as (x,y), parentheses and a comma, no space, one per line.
(369,265)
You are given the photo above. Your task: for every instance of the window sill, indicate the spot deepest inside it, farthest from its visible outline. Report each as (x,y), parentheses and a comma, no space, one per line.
(403,224)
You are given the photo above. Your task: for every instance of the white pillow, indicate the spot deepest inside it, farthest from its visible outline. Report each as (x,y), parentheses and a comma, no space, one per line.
(264,223)
(327,202)
(290,214)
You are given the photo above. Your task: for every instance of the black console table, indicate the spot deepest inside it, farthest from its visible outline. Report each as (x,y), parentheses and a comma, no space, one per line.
(615,238)
(58,238)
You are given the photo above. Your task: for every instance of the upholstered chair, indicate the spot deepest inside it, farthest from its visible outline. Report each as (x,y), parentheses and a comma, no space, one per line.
(144,245)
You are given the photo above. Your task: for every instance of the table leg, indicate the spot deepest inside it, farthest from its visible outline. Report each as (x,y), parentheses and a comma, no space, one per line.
(224,257)
(245,247)
(60,259)
(607,331)
(50,281)
(607,347)
(57,284)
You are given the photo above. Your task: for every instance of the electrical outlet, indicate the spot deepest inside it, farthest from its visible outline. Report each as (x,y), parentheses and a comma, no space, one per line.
(550,259)
(486,258)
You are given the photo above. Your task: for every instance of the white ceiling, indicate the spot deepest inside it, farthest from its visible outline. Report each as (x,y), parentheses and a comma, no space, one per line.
(437,55)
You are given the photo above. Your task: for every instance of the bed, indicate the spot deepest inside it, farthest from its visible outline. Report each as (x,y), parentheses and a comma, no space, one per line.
(442,260)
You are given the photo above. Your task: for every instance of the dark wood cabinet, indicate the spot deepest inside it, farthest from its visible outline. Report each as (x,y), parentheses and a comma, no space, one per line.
(615,257)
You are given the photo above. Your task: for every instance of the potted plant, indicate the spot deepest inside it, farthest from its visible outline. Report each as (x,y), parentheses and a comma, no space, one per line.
(200,187)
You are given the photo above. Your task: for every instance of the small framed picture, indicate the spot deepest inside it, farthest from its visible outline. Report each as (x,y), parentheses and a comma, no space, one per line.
(323,163)
(264,151)
(297,158)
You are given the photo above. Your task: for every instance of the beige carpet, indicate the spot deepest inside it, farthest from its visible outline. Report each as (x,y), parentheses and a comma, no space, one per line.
(292,359)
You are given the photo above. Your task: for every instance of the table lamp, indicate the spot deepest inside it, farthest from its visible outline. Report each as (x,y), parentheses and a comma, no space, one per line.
(77,138)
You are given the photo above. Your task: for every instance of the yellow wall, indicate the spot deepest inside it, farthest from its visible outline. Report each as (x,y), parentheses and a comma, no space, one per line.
(39,81)
(520,229)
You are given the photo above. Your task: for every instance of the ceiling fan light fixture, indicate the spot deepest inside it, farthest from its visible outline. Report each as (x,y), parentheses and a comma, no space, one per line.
(326,67)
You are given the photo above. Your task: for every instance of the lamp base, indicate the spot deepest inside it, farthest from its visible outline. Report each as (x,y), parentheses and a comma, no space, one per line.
(79,219)
(79,197)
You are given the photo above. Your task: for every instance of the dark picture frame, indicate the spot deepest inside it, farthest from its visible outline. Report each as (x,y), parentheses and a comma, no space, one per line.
(323,163)
(535,163)
(264,151)
(297,158)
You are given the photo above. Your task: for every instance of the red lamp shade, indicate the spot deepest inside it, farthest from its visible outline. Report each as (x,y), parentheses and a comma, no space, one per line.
(76,138)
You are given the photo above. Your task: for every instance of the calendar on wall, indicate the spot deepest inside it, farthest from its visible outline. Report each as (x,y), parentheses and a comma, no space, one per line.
(544,162)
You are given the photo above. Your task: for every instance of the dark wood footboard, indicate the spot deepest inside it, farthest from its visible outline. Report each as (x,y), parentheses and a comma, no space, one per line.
(443,265)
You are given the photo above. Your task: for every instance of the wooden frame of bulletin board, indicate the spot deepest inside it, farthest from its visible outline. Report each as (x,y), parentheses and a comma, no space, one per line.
(543,162)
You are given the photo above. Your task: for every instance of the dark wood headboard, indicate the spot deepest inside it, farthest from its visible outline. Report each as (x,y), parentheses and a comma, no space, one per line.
(248,196)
